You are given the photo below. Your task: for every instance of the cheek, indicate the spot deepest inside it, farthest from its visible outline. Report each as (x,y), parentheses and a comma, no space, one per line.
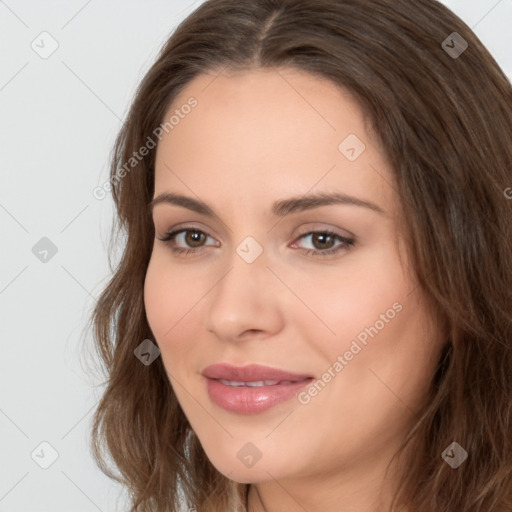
(343,301)
(169,298)
(370,318)
(384,354)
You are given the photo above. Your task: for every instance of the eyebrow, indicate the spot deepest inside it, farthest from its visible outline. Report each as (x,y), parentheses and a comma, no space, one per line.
(280,208)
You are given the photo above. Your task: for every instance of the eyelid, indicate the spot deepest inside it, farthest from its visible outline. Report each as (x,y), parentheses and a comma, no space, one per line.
(325,228)
(179,229)
(317,228)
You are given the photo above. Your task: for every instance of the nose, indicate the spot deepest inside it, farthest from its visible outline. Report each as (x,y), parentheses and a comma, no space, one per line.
(246,301)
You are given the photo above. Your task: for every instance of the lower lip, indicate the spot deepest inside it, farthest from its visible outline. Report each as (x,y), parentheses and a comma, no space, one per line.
(251,400)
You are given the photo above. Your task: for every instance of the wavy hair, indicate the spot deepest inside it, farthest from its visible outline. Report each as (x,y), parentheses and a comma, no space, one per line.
(444,119)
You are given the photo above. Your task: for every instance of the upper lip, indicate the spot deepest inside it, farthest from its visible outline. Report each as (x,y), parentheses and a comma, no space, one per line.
(250,373)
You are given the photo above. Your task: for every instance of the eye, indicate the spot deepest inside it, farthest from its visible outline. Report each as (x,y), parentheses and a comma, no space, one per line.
(325,238)
(195,237)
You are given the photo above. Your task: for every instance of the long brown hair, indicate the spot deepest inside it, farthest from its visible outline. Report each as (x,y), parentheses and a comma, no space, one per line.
(443,113)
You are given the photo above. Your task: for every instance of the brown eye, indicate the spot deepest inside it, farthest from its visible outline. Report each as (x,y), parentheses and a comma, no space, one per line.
(193,238)
(322,242)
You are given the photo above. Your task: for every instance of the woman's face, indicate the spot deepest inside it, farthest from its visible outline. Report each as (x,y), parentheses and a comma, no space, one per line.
(261,289)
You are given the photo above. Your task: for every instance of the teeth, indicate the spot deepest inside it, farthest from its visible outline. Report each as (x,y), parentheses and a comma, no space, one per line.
(263,383)
(253,383)
(231,382)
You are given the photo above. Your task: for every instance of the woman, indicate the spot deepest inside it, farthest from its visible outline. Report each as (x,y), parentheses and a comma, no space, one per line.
(313,310)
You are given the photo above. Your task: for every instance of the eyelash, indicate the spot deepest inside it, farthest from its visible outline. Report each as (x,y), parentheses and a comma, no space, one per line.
(347,242)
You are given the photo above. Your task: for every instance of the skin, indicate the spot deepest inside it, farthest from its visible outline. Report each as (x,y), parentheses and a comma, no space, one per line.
(256,137)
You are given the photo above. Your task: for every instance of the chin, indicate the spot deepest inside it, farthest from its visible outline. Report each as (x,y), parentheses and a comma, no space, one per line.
(244,475)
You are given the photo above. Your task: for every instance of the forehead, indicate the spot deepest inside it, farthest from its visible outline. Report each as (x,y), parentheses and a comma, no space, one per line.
(265,133)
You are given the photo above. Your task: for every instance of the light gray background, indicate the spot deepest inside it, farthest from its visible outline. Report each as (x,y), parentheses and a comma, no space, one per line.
(59,117)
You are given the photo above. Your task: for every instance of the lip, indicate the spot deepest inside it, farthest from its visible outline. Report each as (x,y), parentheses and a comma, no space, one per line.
(251,400)
(252,372)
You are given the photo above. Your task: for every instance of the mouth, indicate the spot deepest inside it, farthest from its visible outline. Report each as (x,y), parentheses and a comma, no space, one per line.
(251,389)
